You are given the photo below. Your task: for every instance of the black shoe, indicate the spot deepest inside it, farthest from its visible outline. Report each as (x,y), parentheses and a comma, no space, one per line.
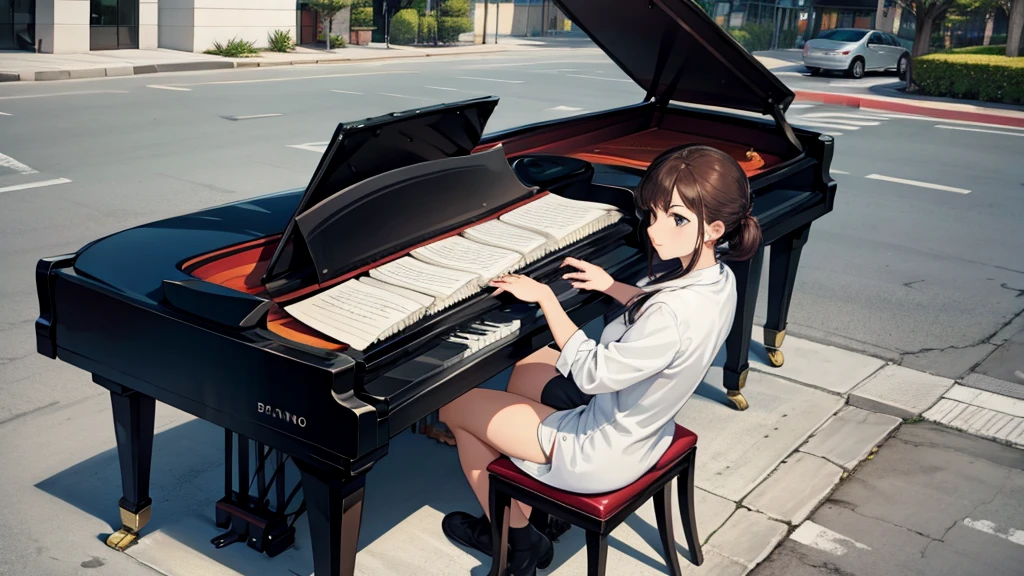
(468,530)
(530,550)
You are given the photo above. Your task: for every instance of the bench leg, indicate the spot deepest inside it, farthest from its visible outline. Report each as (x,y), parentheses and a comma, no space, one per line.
(500,504)
(687,510)
(663,514)
(785,259)
(737,344)
(597,553)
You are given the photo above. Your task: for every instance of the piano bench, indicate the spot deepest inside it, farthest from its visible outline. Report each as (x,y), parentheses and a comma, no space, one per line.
(600,514)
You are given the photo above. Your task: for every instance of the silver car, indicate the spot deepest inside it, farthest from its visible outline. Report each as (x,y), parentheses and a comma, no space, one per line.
(855,51)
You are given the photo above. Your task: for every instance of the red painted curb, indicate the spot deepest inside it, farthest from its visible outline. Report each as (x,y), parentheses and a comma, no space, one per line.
(907,108)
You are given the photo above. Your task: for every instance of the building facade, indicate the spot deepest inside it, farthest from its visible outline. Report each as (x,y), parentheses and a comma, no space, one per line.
(74,26)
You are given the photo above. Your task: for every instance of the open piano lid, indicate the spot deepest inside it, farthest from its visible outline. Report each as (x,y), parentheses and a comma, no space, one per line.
(675,51)
(366,148)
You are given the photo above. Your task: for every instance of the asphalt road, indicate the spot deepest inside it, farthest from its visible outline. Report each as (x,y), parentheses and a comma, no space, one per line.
(926,271)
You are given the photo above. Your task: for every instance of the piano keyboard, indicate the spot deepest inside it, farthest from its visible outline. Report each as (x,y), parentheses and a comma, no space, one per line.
(479,335)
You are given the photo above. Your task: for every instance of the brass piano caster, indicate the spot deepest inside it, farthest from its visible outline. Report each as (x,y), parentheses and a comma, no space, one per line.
(122,540)
(131,524)
(738,400)
(772,343)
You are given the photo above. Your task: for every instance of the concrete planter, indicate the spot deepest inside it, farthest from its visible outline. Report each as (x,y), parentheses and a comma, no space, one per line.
(362,36)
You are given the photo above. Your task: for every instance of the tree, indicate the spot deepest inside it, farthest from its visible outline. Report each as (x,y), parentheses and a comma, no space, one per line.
(927,11)
(1014,27)
(328,9)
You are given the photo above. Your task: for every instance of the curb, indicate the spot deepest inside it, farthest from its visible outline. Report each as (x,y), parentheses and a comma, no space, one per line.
(864,102)
(128,70)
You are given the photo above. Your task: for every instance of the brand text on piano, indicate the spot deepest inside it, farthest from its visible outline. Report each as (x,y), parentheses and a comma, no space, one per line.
(281,414)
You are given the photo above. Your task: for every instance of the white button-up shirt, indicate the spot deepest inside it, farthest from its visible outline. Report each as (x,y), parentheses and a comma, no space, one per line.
(640,376)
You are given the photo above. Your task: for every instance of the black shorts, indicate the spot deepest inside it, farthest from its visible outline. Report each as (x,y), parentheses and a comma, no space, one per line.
(561,393)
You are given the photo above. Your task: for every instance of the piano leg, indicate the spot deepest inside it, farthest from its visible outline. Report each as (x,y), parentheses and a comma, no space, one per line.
(133,426)
(737,344)
(785,258)
(335,508)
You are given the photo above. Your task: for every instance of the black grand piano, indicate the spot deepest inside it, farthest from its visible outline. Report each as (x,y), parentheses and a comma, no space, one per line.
(190,310)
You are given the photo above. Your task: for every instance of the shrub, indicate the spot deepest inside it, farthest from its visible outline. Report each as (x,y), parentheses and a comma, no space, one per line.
(404,26)
(337,40)
(235,48)
(971,76)
(428,29)
(280,41)
(991,50)
(454,9)
(449,29)
(361,17)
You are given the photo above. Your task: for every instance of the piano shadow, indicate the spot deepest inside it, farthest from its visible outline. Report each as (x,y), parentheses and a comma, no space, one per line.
(419,477)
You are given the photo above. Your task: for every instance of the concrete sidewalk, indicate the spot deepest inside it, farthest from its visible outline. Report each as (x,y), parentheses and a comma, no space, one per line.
(761,474)
(27,66)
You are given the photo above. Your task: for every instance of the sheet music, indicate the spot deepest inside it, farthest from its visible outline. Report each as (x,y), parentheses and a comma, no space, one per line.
(460,253)
(554,216)
(354,312)
(410,273)
(504,235)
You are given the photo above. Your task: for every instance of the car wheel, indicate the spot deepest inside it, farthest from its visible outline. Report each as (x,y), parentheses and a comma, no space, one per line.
(856,69)
(901,67)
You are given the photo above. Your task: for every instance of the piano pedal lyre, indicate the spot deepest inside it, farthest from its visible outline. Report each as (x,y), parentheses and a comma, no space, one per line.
(131,524)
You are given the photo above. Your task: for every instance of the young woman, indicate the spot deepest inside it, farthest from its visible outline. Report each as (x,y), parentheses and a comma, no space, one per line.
(597,415)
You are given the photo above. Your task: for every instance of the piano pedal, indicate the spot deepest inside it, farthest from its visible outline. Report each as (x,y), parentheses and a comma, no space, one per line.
(122,540)
(260,528)
(441,435)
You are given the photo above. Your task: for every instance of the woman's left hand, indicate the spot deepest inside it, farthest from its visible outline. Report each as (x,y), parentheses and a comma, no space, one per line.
(522,287)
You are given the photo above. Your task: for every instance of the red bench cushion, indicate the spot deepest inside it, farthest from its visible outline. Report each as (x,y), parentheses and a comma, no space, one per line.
(600,506)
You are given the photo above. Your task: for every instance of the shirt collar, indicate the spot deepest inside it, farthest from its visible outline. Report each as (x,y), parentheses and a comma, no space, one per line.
(702,277)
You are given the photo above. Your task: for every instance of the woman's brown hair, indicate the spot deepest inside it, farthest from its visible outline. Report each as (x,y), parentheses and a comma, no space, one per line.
(714,187)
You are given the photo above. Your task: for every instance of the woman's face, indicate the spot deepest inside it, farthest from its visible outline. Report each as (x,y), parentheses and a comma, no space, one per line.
(674,233)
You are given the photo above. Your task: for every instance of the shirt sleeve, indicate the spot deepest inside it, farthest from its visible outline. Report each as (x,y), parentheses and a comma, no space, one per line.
(645,349)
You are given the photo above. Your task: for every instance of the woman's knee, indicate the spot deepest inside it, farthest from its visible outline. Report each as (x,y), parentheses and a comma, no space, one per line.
(449,413)
(531,374)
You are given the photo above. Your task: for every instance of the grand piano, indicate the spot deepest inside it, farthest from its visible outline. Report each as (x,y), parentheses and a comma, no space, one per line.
(190,310)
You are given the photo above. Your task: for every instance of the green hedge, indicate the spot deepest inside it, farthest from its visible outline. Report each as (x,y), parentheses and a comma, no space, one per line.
(361,17)
(990,50)
(971,76)
(404,26)
(428,29)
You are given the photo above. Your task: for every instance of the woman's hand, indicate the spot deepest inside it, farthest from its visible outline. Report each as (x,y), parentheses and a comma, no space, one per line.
(522,287)
(590,276)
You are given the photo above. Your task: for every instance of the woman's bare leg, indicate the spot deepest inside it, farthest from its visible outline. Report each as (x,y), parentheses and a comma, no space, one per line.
(487,423)
(531,373)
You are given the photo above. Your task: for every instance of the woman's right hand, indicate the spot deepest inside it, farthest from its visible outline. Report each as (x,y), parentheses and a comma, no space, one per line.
(589,277)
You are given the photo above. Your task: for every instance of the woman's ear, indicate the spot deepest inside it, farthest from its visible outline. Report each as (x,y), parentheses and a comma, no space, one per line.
(714,231)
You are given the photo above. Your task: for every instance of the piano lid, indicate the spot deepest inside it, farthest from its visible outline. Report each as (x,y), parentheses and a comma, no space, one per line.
(675,51)
(366,148)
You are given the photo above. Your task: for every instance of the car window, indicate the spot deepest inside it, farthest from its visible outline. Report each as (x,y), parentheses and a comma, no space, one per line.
(840,35)
(876,38)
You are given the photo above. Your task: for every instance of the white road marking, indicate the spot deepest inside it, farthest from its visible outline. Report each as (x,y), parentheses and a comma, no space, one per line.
(77,93)
(945,121)
(598,78)
(347,92)
(8,162)
(789,74)
(917,183)
(530,63)
(842,122)
(834,171)
(251,116)
(988,527)
(824,539)
(980,130)
(799,106)
(318,147)
(162,87)
(289,78)
(402,96)
(818,124)
(563,109)
(442,88)
(492,80)
(845,115)
(34,185)
(5,114)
